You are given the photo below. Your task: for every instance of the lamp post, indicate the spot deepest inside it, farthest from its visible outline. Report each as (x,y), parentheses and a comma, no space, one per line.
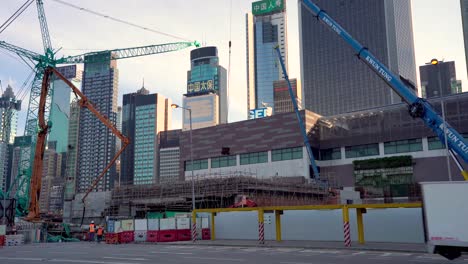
(436,63)
(191,165)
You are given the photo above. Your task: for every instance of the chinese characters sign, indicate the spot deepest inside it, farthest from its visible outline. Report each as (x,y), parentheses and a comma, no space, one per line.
(200,86)
(267,6)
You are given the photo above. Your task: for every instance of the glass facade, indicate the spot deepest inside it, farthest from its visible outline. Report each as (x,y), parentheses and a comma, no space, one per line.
(286,154)
(269,31)
(362,151)
(430,74)
(169,165)
(333,81)
(145,127)
(221,162)
(197,165)
(403,146)
(435,143)
(330,154)
(254,158)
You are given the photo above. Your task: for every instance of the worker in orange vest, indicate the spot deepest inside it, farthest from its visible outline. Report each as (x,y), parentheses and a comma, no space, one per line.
(92,230)
(100,232)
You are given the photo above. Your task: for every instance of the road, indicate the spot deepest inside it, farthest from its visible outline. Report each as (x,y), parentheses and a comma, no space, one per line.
(92,253)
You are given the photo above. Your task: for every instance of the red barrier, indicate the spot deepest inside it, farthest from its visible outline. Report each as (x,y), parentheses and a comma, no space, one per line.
(152,236)
(126,237)
(2,241)
(112,238)
(206,234)
(167,236)
(184,235)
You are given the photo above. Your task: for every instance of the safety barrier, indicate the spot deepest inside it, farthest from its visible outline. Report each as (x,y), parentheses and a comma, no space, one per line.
(278,210)
(140,236)
(167,236)
(112,238)
(14,240)
(2,241)
(206,234)
(152,236)
(126,237)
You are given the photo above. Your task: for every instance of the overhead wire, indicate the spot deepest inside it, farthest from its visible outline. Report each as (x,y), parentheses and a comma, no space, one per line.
(21,94)
(15,15)
(120,20)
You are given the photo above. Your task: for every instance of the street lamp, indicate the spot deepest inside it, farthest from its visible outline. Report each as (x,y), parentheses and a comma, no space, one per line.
(436,63)
(191,161)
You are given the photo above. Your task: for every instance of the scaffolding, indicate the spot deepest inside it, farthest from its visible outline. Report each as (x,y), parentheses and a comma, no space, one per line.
(215,191)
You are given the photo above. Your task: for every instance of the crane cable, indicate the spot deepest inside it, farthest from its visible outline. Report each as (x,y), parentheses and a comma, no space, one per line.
(120,20)
(229,63)
(15,15)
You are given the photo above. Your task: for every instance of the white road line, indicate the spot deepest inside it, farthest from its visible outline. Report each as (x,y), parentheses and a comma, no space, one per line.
(221,259)
(136,259)
(30,259)
(170,252)
(88,261)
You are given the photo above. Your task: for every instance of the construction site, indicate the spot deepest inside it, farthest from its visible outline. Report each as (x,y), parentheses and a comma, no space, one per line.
(89,169)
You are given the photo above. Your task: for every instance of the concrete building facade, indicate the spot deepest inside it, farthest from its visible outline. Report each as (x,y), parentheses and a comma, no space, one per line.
(464,15)
(169,156)
(273,146)
(206,89)
(266,28)
(96,142)
(144,116)
(333,80)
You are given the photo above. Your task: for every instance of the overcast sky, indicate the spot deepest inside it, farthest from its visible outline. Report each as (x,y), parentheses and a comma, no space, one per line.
(437,32)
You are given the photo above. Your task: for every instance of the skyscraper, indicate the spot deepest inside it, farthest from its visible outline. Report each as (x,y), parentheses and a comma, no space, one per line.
(437,79)
(333,80)
(464,15)
(283,103)
(72,152)
(169,156)
(60,106)
(9,107)
(96,141)
(266,29)
(143,117)
(206,89)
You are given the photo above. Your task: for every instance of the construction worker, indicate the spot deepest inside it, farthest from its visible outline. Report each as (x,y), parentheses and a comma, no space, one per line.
(92,230)
(100,232)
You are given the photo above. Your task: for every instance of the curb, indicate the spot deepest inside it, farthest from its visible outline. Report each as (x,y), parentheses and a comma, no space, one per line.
(303,247)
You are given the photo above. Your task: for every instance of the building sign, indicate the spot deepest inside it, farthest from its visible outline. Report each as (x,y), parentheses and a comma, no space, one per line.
(200,86)
(259,113)
(267,6)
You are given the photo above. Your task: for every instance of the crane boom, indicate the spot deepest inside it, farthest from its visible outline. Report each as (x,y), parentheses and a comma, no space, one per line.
(418,107)
(44,28)
(130,52)
(20,51)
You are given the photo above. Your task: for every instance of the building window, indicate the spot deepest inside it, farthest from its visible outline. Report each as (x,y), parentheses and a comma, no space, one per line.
(330,154)
(286,154)
(434,143)
(402,146)
(362,151)
(254,158)
(220,162)
(197,165)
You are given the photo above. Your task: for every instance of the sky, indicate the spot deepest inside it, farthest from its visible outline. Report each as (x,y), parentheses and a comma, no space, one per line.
(437,33)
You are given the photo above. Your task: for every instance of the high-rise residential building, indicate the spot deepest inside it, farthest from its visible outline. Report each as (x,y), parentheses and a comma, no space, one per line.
(143,117)
(438,79)
(9,107)
(464,15)
(60,105)
(20,163)
(206,89)
(333,80)
(96,142)
(72,153)
(266,29)
(169,156)
(283,103)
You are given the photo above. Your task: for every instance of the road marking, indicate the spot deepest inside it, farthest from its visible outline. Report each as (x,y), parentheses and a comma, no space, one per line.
(30,259)
(87,261)
(136,259)
(221,259)
(169,252)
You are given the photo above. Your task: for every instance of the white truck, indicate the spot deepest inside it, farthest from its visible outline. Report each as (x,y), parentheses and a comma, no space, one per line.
(445,212)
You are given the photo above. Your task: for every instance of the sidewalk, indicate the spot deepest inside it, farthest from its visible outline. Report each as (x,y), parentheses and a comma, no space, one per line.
(371,246)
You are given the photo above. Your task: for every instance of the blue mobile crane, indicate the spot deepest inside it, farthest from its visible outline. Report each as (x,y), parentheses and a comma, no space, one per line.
(418,107)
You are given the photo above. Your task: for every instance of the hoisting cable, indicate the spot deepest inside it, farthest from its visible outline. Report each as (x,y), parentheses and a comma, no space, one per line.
(15,15)
(120,20)
(229,63)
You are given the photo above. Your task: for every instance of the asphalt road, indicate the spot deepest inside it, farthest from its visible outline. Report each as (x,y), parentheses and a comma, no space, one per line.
(178,254)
